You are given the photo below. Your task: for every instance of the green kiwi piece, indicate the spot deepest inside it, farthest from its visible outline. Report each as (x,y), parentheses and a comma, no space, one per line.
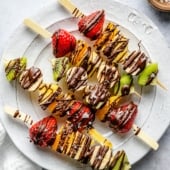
(15,67)
(126,82)
(121,162)
(115,89)
(148,74)
(60,67)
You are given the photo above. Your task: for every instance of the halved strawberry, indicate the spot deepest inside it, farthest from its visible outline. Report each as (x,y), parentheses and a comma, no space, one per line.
(43,132)
(121,119)
(92,25)
(62,42)
(80,116)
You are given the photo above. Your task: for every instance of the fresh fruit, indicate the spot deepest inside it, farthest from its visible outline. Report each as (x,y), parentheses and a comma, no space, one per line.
(135,62)
(43,132)
(96,95)
(126,84)
(92,25)
(80,116)
(147,76)
(108,74)
(76,78)
(102,113)
(30,79)
(111,44)
(121,119)
(15,67)
(63,43)
(48,93)
(60,67)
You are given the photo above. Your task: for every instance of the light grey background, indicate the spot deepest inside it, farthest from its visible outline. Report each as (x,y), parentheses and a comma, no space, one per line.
(12,14)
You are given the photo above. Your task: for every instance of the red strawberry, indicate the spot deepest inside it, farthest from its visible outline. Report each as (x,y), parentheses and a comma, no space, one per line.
(121,119)
(92,25)
(63,43)
(43,132)
(80,116)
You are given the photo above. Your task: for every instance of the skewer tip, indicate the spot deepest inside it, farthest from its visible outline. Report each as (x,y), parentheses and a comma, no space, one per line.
(161,85)
(145,137)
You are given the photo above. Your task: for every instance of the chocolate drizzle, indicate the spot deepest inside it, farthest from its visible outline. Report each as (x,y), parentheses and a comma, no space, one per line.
(108,74)
(47,94)
(84,57)
(105,36)
(112,45)
(96,95)
(76,78)
(135,62)
(29,77)
(91,23)
(14,68)
(80,116)
(16,113)
(121,119)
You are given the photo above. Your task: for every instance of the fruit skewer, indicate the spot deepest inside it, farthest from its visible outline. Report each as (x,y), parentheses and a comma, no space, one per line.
(51,97)
(81,56)
(54,101)
(76,145)
(146,75)
(121,119)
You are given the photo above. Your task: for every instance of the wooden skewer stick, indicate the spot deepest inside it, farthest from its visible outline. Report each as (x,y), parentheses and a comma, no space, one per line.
(161,85)
(133,91)
(71,8)
(145,137)
(28,121)
(37,28)
(16,114)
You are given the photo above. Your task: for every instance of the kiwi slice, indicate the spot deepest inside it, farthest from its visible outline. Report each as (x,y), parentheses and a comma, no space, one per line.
(148,74)
(121,162)
(126,81)
(126,164)
(15,67)
(60,67)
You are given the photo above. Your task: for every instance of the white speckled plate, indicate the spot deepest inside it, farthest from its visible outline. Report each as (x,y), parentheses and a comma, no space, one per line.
(154,106)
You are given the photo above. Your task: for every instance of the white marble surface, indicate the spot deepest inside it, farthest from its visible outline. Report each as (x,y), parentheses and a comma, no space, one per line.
(12,14)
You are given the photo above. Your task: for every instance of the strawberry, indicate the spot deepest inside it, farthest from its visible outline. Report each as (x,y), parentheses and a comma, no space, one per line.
(92,25)
(43,132)
(80,116)
(121,119)
(63,43)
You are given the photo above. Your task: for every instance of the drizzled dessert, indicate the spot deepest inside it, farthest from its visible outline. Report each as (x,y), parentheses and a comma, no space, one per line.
(106,59)
(76,78)
(30,79)
(76,145)
(14,68)
(96,95)
(121,119)
(80,116)
(47,93)
(108,74)
(43,132)
(135,62)
(60,66)
(92,25)
(111,44)
(84,56)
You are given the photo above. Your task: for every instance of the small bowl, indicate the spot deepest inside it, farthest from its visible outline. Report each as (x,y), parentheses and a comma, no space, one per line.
(162,6)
